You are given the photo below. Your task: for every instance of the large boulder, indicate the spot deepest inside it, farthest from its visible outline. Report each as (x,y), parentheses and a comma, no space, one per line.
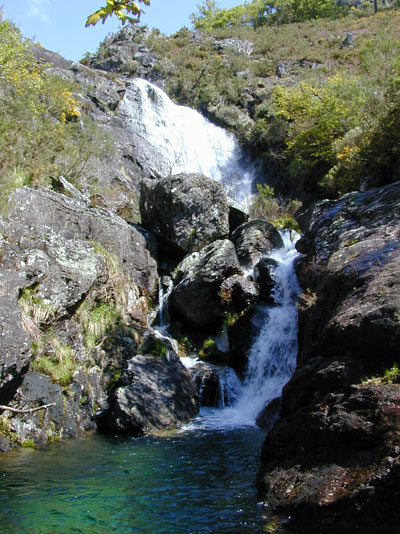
(43,219)
(254,240)
(332,460)
(153,394)
(196,296)
(188,211)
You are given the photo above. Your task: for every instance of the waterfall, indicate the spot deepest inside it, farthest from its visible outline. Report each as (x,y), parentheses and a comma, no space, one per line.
(171,139)
(179,139)
(160,331)
(229,387)
(272,357)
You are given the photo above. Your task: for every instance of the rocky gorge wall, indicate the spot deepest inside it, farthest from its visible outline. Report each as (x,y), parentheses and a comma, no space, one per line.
(332,462)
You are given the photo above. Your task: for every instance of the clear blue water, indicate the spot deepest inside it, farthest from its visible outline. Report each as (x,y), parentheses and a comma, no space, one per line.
(196,482)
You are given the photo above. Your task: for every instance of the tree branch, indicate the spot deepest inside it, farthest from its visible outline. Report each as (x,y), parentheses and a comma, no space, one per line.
(29,410)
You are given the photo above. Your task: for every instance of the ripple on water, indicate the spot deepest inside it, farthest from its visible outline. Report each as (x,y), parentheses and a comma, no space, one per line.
(195,482)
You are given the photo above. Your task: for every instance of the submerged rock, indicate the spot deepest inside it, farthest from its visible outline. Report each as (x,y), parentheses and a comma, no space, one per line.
(155,394)
(188,211)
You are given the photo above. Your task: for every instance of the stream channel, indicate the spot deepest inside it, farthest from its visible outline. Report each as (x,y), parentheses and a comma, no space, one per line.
(199,479)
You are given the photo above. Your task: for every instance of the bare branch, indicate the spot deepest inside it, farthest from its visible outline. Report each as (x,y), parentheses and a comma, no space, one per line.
(29,410)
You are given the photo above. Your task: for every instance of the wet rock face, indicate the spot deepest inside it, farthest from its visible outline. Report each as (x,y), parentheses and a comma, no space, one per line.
(215,384)
(188,211)
(352,268)
(332,461)
(154,394)
(196,295)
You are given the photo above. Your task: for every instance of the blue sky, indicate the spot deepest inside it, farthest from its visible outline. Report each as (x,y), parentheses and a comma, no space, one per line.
(59,25)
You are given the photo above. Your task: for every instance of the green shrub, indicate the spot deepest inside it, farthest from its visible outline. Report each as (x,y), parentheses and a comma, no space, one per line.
(279,212)
(57,361)
(208,349)
(390,376)
(42,132)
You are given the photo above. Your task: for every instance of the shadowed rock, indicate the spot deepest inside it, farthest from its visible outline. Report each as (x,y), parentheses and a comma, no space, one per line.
(154,394)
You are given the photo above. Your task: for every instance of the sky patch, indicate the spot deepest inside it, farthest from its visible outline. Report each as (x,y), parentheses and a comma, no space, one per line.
(38,9)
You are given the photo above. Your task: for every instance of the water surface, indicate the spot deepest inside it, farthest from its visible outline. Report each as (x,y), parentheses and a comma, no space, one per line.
(196,482)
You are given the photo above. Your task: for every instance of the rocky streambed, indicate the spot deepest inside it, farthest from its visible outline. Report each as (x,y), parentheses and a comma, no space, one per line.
(79,284)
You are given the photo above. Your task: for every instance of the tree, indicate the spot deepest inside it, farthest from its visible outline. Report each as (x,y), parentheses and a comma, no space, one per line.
(210,16)
(125,10)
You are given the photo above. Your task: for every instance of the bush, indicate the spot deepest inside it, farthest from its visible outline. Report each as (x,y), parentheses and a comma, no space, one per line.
(275,210)
(42,132)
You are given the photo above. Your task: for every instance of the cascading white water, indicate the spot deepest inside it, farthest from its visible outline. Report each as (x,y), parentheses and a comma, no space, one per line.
(229,387)
(160,331)
(179,139)
(272,358)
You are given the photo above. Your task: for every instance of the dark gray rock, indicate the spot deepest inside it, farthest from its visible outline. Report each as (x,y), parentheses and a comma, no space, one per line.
(238,293)
(263,276)
(62,263)
(155,394)
(218,385)
(237,215)
(188,211)
(196,295)
(348,41)
(352,267)
(255,239)
(38,390)
(127,53)
(14,341)
(43,217)
(269,415)
(100,95)
(331,462)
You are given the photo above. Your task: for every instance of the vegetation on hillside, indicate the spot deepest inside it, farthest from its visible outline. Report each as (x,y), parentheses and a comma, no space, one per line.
(322,110)
(43,133)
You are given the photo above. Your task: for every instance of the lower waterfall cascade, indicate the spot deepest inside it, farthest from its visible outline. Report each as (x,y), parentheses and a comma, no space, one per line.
(272,357)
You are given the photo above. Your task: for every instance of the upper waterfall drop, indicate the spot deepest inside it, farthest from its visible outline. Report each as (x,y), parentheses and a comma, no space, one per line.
(179,139)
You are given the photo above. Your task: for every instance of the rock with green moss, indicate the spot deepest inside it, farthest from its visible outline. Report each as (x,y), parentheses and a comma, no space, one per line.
(154,393)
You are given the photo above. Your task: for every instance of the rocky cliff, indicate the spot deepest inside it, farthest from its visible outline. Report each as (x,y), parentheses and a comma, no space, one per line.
(332,462)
